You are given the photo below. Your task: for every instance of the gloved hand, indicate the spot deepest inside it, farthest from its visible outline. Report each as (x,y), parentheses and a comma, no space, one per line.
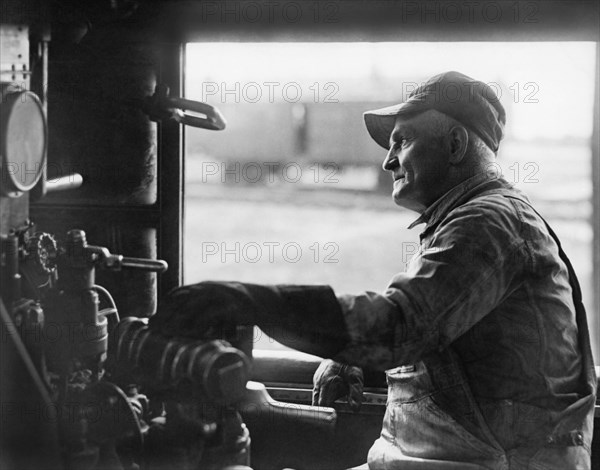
(202,310)
(333,380)
(307,318)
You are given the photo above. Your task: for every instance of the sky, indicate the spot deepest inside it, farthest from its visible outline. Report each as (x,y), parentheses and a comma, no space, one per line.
(547,88)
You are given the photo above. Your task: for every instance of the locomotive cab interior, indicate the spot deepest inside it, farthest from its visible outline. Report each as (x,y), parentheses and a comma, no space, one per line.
(96,121)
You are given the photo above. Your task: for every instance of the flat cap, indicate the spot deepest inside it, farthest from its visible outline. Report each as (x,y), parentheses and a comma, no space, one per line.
(471,102)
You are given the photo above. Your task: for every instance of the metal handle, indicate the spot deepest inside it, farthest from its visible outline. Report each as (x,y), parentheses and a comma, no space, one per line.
(154,265)
(259,405)
(160,106)
(64,182)
(211,117)
(118,262)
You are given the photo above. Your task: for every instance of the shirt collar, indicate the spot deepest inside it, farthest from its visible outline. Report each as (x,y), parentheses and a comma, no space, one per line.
(445,203)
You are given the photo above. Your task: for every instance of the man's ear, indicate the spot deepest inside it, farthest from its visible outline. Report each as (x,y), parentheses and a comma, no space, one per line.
(457,143)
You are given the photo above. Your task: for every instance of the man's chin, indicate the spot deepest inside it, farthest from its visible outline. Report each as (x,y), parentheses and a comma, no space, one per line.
(406,203)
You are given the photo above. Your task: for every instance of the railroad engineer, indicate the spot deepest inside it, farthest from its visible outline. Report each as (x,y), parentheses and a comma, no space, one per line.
(483,339)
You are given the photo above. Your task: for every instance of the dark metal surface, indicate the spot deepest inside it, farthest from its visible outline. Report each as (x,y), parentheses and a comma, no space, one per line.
(171,168)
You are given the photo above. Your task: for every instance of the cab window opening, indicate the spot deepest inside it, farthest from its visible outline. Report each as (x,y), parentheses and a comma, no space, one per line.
(293,192)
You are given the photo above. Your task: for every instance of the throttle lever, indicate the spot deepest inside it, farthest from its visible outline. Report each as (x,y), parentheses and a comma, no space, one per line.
(258,404)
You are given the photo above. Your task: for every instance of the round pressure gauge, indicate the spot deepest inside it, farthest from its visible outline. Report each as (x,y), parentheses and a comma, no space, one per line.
(23,139)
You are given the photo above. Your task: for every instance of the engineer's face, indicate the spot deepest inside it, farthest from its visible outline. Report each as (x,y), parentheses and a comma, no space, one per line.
(417,161)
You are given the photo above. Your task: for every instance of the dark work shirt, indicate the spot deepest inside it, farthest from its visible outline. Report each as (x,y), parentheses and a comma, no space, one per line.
(487,279)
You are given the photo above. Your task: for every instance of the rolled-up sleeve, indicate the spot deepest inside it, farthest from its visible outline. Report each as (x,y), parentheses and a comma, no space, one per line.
(462,272)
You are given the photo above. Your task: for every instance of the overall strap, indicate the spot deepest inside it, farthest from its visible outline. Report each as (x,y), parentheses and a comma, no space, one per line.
(580,313)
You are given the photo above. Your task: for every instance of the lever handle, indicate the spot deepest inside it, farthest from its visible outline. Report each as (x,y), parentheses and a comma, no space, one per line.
(154,265)
(160,106)
(211,117)
(258,404)
(118,262)
(64,182)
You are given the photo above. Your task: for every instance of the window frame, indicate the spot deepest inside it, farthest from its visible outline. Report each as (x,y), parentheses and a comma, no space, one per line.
(556,21)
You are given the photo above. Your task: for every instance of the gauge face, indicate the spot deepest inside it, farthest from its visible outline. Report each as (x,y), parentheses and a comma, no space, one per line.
(23,145)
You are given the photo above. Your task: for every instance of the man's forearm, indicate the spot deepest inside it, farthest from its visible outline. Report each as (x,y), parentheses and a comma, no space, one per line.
(307,318)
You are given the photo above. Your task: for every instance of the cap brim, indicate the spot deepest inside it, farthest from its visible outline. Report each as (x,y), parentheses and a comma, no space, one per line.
(380,122)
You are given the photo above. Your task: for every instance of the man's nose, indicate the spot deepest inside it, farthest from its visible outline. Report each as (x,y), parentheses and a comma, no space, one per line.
(391,161)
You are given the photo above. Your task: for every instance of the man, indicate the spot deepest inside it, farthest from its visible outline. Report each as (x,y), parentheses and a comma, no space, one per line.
(483,339)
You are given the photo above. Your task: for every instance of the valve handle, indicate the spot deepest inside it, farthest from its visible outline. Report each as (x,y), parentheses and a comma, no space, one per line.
(117,262)
(153,265)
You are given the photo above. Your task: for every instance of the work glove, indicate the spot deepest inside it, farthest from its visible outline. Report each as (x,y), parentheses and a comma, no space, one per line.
(306,318)
(333,380)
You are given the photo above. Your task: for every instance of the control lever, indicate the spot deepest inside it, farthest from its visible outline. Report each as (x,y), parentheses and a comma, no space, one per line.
(259,404)
(275,428)
(79,254)
(118,262)
(63,183)
(160,106)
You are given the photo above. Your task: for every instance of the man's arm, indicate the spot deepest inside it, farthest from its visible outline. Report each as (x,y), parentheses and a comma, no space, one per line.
(471,263)
(307,318)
